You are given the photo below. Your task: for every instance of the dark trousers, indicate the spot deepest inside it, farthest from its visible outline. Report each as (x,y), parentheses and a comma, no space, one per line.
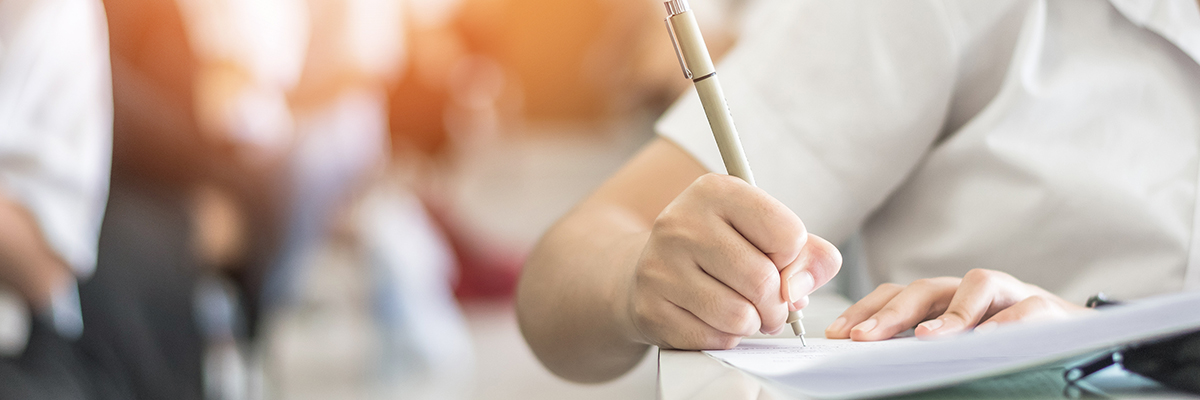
(140,339)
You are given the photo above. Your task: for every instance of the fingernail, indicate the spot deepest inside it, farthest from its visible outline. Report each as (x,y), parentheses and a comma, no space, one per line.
(798,304)
(866,326)
(986,327)
(838,324)
(800,285)
(932,325)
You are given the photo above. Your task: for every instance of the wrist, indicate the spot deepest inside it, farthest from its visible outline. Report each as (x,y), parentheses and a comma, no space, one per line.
(630,252)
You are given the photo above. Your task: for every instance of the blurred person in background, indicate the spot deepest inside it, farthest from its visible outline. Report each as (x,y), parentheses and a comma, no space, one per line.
(55,146)
(341,172)
(302,83)
(172,182)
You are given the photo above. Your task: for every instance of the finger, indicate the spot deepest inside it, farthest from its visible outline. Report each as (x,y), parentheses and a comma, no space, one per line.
(981,294)
(818,262)
(676,328)
(920,300)
(740,266)
(764,221)
(716,305)
(860,311)
(803,302)
(1033,308)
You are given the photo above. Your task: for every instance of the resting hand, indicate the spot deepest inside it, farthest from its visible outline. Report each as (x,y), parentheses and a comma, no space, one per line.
(981,300)
(711,270)
(27,263)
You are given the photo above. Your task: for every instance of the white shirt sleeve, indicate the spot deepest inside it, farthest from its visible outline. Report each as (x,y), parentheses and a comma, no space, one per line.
(56,120)
(836,102)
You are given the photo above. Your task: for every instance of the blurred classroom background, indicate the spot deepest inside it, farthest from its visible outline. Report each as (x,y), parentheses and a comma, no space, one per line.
(378,170)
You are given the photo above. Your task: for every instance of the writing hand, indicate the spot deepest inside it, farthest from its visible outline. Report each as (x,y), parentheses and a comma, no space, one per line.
(712,269)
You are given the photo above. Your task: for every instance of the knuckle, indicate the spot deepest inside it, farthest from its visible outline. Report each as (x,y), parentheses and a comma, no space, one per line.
(663,220)
(643,313)
(933,285)
(667,222)
(646,321)
(1039,300)
(889,287)
(671,238)
(651,273)
(945,281)
(976,273)
(671,232)
(766,289)
(713,182)
(983,275)
(774,321)
(924,283)
(678,216)
(741,318)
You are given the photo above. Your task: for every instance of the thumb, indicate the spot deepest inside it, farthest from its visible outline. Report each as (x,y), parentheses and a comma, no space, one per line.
(818,262)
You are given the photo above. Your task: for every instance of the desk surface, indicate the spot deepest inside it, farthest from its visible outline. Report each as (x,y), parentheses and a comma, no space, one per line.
(691,375)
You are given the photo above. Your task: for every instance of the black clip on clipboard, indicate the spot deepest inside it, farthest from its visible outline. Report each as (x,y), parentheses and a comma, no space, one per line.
(1173,361)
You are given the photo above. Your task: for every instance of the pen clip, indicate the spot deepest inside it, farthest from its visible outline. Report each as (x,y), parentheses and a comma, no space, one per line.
(678,52)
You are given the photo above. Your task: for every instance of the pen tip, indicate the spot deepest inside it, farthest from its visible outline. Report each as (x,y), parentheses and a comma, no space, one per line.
(802,342)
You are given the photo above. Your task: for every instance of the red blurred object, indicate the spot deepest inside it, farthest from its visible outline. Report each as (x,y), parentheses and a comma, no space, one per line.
(487,270)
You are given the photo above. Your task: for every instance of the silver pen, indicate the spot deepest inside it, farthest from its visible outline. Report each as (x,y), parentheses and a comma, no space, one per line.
(698,66)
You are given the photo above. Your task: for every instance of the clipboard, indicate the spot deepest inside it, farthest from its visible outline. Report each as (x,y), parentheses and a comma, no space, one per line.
(920,365)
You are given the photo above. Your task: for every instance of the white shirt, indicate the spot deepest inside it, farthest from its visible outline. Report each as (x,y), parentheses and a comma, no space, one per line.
(268,39)
(1057,140)
(56,120)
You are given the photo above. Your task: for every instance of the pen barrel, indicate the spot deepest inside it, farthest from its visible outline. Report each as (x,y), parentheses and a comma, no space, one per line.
(691,44)
(697,60)
(721,123)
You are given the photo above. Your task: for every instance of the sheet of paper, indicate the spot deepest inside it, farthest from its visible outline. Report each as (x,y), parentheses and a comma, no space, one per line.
(781,355)
(897,367)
